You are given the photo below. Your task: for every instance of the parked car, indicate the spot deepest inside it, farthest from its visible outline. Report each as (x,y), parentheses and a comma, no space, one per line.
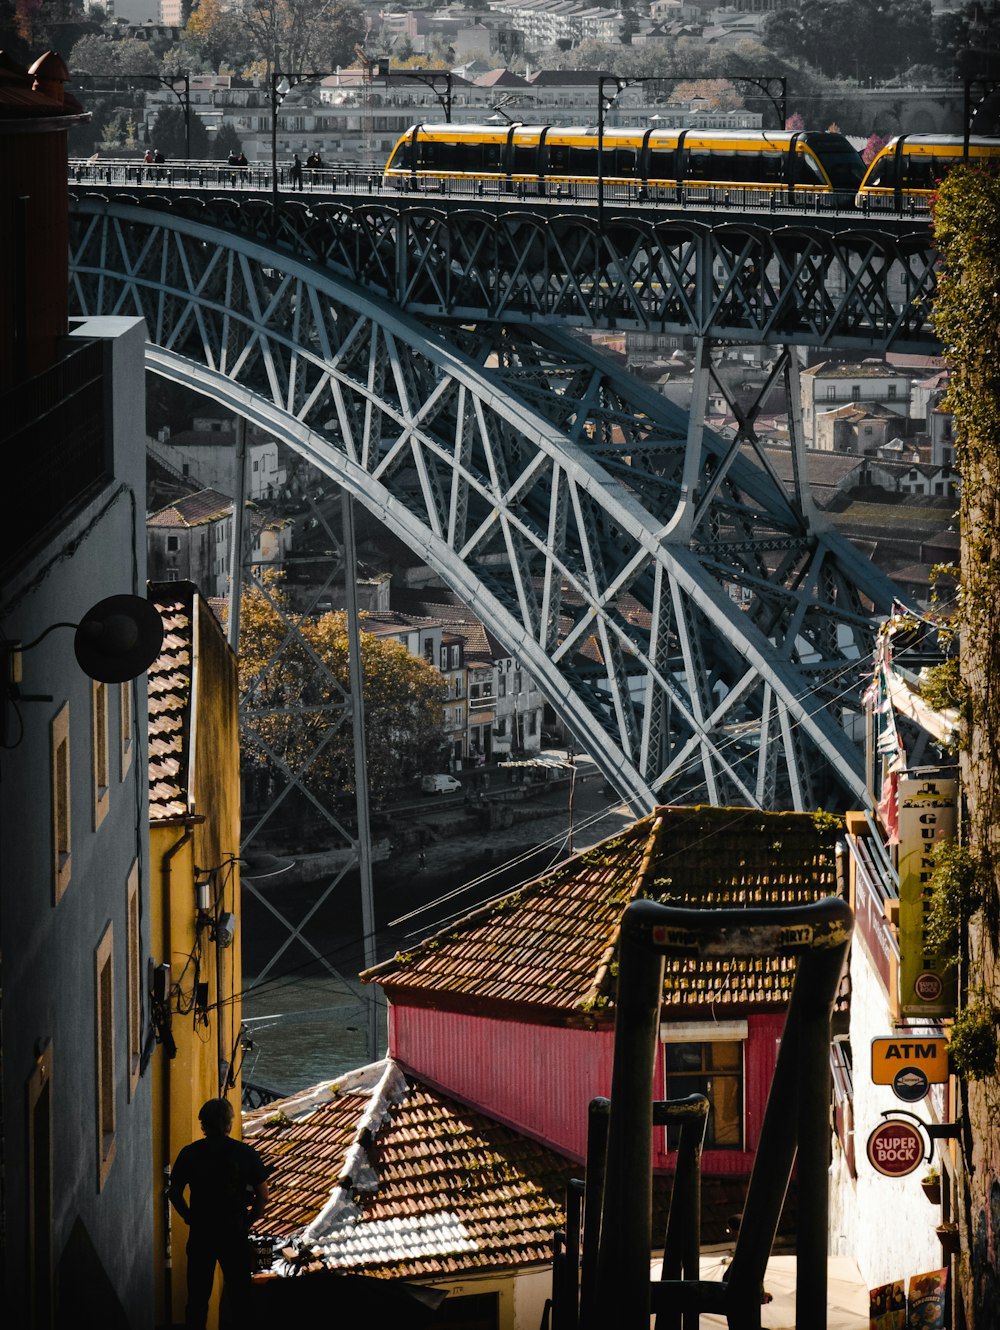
(439,784)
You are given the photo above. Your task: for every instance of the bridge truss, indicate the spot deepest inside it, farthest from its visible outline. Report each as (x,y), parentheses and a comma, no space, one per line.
(696,624)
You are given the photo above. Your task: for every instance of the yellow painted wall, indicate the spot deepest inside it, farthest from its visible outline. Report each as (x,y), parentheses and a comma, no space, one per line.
(181,853)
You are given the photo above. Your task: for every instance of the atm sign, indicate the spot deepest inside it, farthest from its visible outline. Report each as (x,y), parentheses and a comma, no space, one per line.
(928,1055)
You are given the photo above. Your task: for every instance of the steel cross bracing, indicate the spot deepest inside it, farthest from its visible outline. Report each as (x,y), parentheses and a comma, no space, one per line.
(702,634)
(824,279)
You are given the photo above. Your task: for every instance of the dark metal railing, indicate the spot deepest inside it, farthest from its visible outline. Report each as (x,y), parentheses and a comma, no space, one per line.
(615,1286)
(368,178)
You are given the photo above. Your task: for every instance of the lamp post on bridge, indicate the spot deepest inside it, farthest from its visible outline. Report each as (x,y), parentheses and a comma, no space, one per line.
(774,88)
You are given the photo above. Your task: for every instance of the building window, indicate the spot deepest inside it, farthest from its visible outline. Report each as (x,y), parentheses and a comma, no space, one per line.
(133,973)
(855,393)
(99,750)
(715,1070)
(892,392)
(456,657)
(429,650)
(501,686)
(459,716)
(40,1170)
(532,722)
(831,392)
(444,659)
(173,544)
(104,997)
(61,804)
(125,727)
(517,681)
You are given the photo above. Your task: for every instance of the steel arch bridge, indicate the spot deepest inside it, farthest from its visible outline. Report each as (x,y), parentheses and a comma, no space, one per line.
(699,628)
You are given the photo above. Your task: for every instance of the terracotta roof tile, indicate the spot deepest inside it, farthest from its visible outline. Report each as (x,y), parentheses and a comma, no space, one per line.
(552,944)
(169,686)
(430,1187)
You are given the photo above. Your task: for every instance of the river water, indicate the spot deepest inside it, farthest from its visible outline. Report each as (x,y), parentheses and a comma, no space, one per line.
(309,1025)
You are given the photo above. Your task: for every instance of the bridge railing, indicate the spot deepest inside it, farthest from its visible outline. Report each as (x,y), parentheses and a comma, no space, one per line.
(368,178)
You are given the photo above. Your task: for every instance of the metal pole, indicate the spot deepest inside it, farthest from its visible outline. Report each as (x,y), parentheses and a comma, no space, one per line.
(447,98)
(187,115)
(360,769)
(236,553)
(274,140)
(600,153)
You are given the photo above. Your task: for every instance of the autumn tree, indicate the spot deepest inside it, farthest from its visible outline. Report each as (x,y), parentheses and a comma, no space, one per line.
(295,682)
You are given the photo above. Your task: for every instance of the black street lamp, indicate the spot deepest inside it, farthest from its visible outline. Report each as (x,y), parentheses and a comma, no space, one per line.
(430,78)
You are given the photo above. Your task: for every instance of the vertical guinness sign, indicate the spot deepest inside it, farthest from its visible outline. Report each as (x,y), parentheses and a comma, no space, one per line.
(926,815)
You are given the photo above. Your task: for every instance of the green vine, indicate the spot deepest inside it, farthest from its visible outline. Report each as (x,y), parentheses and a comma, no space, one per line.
(942,687)
(954,898)
(967,321)
(972,1045)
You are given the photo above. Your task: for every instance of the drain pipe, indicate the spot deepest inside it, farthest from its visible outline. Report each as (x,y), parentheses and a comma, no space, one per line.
(166,865)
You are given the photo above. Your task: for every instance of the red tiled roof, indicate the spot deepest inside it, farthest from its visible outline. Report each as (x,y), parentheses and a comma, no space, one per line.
(206,505)
(380,1174)
(552,945)
(169,685)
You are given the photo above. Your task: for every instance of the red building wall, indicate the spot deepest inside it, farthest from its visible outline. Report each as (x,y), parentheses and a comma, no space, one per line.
(540,1078)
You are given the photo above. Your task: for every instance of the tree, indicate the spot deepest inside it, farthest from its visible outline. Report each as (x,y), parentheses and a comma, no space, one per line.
(857,39)
(226,142)
(294,688)
(213,35)
(298,37)
(795,123)
(169,134)
(872,148)
(717,94)
(94,55)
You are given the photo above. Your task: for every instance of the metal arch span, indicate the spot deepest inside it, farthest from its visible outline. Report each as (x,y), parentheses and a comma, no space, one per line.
(679,606)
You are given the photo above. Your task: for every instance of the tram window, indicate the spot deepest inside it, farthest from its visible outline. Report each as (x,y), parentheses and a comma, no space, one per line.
(663,164)
(699,166)
(583,161)
(525,160)
(772,167)
(882,174)
(619,162)
(727,166)
(558,163)
(429,155)
(807,170)
(491,156)
(919,173)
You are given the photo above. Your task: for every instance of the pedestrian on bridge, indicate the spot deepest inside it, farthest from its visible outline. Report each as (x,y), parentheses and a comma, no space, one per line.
(295,174)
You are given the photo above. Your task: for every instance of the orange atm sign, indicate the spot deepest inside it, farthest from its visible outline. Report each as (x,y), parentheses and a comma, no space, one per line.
(926,1055)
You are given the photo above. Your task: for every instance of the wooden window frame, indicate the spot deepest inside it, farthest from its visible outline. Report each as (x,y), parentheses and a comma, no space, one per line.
(133,973)
(40,1205)
(104,1062)
(99,755)
(62,803)
(126,730)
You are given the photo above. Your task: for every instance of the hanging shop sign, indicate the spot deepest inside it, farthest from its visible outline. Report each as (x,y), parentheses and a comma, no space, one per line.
(926,815)
(911,1065)
(895,1148)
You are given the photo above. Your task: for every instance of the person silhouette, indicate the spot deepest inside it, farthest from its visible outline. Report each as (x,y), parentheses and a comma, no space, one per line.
(227,1185)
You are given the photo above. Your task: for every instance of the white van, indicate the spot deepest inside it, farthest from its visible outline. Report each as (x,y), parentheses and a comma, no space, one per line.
(439,784)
